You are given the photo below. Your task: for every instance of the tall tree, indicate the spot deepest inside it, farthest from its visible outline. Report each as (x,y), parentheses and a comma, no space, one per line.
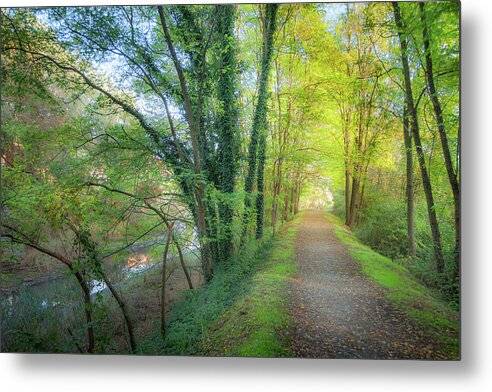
(436,104)
(185,79)
(269,29)
(197,150)
(409,102)
(259,119)
(227,121)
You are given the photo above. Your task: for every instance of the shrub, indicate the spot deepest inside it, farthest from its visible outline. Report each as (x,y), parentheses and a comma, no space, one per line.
(383,227)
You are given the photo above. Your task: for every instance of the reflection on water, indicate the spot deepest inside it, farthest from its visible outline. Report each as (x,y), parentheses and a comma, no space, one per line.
(63,290)
(138,259)
(52,293)
(135,264)
(45,303)
(97,286)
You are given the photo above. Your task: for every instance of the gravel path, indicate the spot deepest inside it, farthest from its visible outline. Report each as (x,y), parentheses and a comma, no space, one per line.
(339,313)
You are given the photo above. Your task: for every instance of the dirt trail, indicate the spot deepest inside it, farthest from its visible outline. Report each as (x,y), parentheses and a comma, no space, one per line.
(339,313)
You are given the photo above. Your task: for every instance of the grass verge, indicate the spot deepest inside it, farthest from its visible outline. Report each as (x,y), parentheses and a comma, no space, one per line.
(420,303)
(252,326)
(239,312)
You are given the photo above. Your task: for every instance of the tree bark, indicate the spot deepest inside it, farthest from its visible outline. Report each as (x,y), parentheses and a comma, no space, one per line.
(181,261)
(354,199)
(434,225)
(228,143)
(260,184)
(87,309)
(163,281)
(85,240)
(346,152)
(122,305)
(277,185)
(407,138)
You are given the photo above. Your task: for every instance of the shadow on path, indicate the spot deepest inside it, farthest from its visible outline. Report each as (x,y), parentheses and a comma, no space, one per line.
(338,312)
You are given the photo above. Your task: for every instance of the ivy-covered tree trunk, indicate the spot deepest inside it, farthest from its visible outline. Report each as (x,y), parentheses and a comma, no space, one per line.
(260,184)
(227,124)
(259,119)
(434,225)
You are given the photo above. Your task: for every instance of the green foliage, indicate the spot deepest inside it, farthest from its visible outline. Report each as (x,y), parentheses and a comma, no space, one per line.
(253,325)
(383,227)
(190,318)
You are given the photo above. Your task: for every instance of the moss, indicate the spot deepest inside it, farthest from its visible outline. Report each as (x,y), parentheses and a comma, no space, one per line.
(420,303)
(252,326)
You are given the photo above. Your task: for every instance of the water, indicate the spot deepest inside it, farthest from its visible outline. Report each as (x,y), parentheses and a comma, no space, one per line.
(127,272)
(64,290)
(97,286)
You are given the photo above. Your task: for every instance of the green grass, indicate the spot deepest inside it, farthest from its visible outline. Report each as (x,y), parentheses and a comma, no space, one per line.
(419,302)
(238,311)
(252,326)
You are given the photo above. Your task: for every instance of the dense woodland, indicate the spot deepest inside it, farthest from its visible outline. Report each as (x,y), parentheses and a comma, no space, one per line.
(180,139)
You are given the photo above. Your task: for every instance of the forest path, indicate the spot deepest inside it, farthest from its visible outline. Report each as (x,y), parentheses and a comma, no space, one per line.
(338,312)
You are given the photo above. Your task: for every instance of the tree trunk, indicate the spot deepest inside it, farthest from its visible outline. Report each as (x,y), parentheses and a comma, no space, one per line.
(85,240)
(260,184)
(348,188)
(436,235)
(348,196)
(195,131)
(183,265)
(298,196)
(275,191)
(453,179)
(292,196)
(285,213)
(122,305)
(354,199)
(228,143)
(407,138)
(87,309)
(259,119)
(163,281)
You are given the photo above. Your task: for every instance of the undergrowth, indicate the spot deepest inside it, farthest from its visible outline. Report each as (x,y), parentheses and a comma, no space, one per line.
(243,296)
(252,326)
